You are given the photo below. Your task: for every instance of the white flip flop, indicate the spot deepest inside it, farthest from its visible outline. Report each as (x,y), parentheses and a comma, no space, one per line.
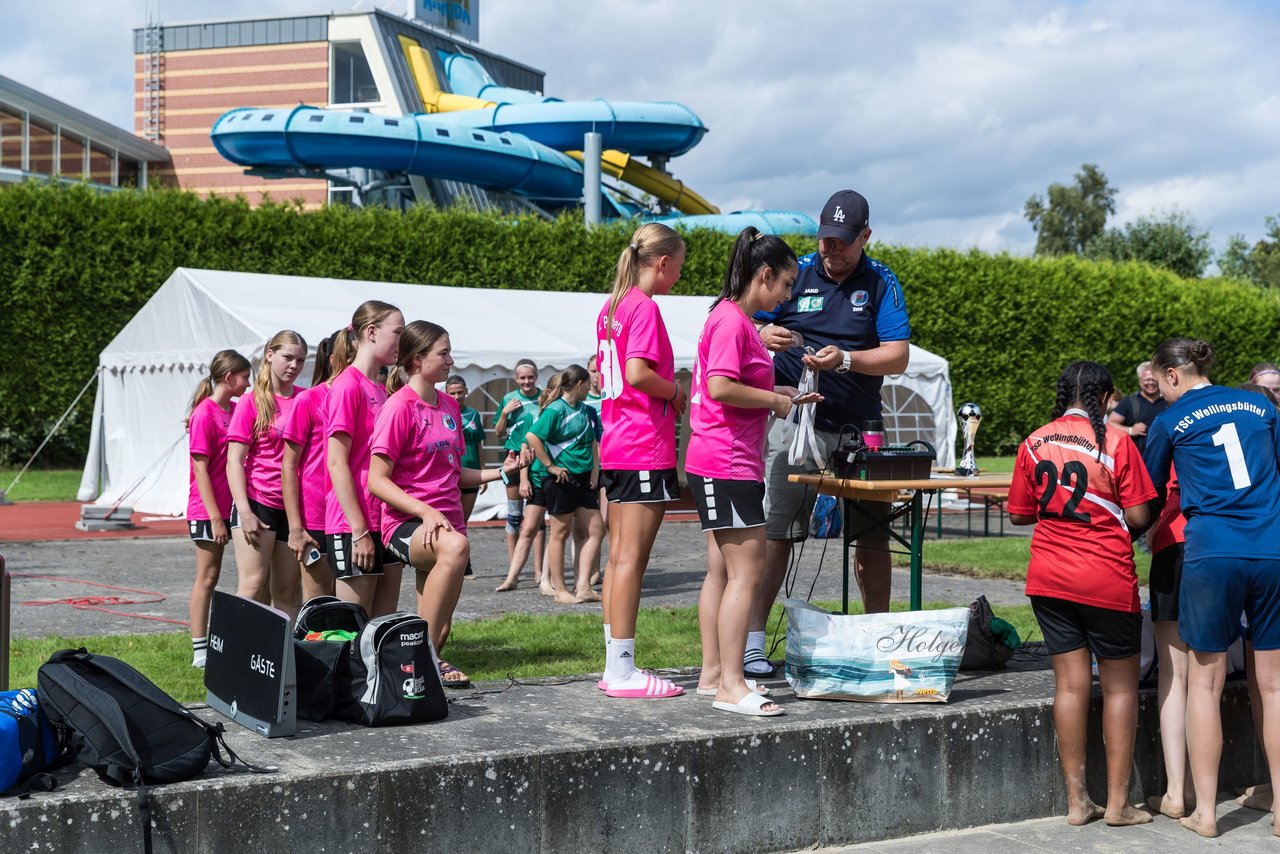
(752,704)
(751,686)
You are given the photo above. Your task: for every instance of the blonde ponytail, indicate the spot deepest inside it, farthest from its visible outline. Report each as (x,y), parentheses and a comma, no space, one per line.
(223,364)
(649,243)
(264,400)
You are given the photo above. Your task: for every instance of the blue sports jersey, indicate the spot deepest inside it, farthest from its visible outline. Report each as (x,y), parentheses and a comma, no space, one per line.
(1225,444)
(860,313)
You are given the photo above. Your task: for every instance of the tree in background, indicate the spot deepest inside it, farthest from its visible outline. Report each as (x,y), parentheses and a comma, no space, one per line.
(1260,263)
(1172,241)
(1073,215)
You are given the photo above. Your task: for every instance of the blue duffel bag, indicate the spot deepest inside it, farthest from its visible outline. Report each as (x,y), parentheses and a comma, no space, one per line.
(28,743)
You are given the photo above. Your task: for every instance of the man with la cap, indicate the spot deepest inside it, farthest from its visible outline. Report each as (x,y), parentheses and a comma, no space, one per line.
(850,310)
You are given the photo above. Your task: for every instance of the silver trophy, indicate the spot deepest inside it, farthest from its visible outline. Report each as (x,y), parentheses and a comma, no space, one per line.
(970,417)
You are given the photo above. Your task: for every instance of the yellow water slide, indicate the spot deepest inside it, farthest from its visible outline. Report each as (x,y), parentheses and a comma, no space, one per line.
(618,164)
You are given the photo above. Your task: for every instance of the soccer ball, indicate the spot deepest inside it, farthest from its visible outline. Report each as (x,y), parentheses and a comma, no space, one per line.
(970,412)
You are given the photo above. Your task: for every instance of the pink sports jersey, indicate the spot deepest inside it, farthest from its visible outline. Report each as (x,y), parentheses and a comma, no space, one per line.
(639,430)
(354,401)
(207,436)
(305,428)
(425,445)
(728,441)
(266,452)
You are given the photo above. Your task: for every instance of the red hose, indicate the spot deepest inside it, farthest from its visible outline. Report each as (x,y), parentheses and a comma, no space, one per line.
(97,603)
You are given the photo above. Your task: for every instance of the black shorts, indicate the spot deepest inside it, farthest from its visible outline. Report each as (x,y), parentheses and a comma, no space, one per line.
(574,493)
(397,545)
(469,490)
(1165,581)
(1105,632)
(273,518)
(322,541)
(339,554)
(537,498)
(623,486)
(727,503)
(201,530)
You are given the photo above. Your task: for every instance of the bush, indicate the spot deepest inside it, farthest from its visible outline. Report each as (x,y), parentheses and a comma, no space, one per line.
(77,265)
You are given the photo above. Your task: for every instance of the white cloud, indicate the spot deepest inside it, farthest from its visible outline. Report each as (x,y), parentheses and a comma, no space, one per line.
(946,115)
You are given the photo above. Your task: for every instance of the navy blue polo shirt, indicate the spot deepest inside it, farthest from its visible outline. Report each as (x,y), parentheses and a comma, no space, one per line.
(860,313)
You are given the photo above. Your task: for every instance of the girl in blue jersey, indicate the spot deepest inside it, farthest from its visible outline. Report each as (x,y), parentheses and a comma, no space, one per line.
(1225,444)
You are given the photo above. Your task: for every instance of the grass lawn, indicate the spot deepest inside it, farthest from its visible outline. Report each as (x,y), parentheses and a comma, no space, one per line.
(996,465)
(522,645)
(42,484)
(992,557)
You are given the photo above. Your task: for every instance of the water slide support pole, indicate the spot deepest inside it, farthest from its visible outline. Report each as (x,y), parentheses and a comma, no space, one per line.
(592,148)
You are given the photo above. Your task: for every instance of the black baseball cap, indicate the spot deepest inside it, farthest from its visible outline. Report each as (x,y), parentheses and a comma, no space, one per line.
(844,216)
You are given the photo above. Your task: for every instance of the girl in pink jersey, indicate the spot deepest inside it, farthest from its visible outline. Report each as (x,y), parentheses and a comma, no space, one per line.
(259,525)
(416,470)
(353,519)
(732,396)
(638,451)
(209,498)
(305,479)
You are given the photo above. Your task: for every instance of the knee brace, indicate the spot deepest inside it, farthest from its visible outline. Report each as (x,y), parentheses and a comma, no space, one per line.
(515,515)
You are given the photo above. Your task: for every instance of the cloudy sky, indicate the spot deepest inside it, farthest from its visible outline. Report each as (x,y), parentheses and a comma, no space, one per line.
(946,115)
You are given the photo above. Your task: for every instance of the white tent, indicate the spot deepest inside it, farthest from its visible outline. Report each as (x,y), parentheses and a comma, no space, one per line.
(138,450)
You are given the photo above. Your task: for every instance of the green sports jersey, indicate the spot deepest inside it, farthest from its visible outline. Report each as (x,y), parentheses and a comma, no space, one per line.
(472,436)
(519,422)
(596,401)
(569,432)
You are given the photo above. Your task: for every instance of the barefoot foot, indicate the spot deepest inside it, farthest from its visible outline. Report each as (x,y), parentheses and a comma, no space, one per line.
(1084,813)
(587,596)
(1257,800)
(1206,826)
(505,586)
(546,590)
(564,597)
(1166,806)
(1127,816)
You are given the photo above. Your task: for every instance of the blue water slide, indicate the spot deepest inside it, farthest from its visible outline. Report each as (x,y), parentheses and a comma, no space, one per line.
(769,222)
(416,145)
(662,128)
(468,77)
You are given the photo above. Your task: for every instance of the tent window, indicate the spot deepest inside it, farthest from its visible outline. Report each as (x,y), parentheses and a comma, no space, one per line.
(907,416)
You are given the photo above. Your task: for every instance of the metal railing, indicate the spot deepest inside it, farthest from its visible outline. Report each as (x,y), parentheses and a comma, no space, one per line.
(6,618)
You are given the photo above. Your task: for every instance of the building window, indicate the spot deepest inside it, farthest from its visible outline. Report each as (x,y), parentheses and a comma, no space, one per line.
(72,157)
(351,79)
(100,165)
(42,141)
(129,172)
(10,138)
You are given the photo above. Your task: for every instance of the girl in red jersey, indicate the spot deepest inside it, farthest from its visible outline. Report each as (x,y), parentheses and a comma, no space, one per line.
(352,518)
(731,399)
(209,498)
(305,480)
(1082,483)
(267,568)
(638,451)
(416,470)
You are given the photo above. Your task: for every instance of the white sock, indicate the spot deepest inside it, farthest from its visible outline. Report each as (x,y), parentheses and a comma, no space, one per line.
(199,651)
(755,640)
(608,636)
(620,659)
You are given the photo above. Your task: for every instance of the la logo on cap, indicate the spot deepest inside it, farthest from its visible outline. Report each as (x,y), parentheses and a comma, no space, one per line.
(838,216)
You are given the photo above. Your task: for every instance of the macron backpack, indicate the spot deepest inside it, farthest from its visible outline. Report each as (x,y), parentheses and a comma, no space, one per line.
(394,678)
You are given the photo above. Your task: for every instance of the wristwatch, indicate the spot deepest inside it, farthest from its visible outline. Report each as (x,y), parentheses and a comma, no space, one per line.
(846,362)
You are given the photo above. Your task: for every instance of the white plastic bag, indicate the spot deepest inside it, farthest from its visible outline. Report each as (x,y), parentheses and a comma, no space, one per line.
(902,657)
(799,425)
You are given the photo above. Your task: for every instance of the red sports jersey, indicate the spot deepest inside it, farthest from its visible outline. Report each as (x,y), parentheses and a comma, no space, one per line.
(1080,550)
(1171,528)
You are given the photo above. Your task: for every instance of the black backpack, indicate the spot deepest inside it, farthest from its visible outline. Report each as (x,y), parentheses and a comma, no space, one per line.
(320,665)
(394,678)
(125,728)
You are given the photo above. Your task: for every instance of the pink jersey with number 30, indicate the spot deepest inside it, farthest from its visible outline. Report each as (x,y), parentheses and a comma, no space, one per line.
(639,430)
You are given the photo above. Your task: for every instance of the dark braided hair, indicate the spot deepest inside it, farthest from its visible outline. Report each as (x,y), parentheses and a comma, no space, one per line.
(1085,384)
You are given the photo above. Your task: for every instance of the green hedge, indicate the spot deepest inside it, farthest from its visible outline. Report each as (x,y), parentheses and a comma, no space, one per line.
(76,265)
